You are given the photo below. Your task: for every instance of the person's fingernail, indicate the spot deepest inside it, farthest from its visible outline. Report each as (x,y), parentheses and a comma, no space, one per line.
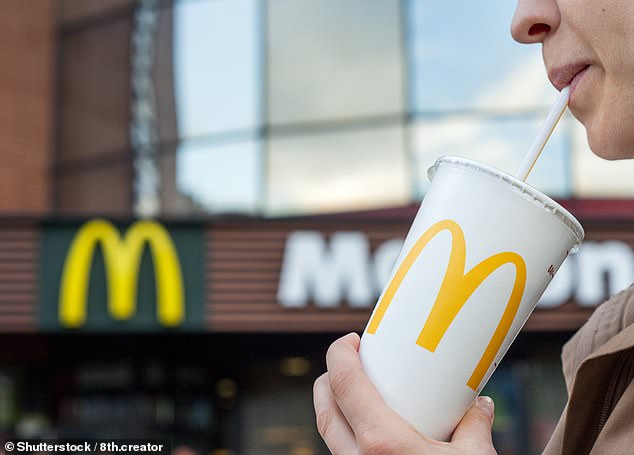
(487,406)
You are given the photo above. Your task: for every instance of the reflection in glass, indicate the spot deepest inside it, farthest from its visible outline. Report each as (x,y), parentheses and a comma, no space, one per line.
(464,58)
(219,178)
(330,60)
(501,143)
(103,189)
(276,415)
(94,91)
(338,171)
(216,65)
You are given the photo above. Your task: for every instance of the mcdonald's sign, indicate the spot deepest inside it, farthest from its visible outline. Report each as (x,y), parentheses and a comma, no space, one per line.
(102,277)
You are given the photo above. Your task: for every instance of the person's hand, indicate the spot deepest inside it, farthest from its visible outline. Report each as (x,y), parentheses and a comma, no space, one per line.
(353,418)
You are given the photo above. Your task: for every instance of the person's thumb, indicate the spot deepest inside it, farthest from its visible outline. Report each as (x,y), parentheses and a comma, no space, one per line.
(475,427)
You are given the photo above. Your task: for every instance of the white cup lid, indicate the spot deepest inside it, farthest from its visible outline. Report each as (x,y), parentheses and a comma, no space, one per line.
(517,185)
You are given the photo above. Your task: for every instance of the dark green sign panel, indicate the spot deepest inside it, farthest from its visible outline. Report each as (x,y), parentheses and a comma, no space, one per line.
(62,247)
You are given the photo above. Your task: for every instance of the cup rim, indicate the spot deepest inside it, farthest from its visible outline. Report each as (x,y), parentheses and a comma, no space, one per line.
(518,185)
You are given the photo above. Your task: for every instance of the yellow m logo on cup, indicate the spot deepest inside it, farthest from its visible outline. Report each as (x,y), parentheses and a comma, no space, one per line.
(455,289)
(122,258)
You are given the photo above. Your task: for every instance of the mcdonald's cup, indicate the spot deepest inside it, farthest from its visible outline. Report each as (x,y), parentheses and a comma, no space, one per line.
(481,251)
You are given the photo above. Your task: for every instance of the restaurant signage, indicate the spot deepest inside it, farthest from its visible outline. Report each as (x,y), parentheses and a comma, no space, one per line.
(329,272)
(99,276)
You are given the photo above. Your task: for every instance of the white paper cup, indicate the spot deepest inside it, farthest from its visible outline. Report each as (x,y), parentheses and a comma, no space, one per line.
(480,253)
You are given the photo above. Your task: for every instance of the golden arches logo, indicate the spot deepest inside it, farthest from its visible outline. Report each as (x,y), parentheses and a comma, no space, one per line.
(122,259)
(455,290)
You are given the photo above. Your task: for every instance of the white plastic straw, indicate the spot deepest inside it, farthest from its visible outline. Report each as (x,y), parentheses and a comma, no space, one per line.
(558,109)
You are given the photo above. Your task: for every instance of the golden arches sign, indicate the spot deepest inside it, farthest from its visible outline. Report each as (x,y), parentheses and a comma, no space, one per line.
(122,258)
(456,288)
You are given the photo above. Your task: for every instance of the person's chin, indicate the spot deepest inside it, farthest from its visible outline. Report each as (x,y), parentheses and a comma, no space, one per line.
(610,143)
(609,125)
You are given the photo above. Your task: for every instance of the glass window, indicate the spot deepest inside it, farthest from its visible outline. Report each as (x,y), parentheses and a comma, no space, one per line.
(219,177)
(103,189)
(276,414)
(94,90)
(162,89)
(216,65)
(499,142)
(595,177)
(73,10)
(337,171)
(464,58)
(330,60)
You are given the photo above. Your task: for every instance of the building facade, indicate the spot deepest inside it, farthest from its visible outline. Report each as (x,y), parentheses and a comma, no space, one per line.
(199,196)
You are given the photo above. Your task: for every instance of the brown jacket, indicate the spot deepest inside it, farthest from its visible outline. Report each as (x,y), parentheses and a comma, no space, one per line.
(598,364)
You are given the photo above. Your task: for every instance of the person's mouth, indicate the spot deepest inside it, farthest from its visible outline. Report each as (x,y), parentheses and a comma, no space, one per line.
(568,75)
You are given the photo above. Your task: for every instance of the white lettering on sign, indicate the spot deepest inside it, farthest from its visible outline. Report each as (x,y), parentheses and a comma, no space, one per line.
(598,262)
(384,259)
(599,270)
(326,274)
(329,273)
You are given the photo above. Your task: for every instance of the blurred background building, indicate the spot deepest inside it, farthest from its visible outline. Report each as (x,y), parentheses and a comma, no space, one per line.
(280,148)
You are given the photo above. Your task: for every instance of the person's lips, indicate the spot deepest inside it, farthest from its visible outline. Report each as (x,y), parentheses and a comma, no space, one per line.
(570,74)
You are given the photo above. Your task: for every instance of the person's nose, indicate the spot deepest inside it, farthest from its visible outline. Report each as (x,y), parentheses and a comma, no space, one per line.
(534,20)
